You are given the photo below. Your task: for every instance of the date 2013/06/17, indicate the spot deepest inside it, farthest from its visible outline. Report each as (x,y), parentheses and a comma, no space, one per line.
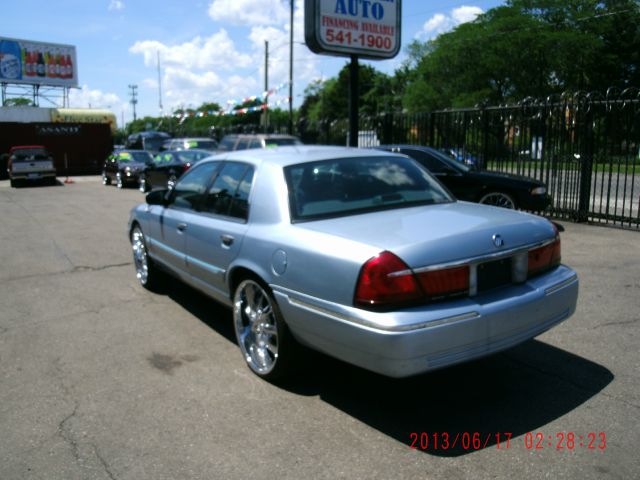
(361,40)
(504,440)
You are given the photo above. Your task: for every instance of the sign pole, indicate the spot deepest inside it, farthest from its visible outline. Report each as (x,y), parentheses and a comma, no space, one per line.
(353,101)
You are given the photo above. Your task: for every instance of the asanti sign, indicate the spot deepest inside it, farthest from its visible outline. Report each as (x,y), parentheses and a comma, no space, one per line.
(366,28)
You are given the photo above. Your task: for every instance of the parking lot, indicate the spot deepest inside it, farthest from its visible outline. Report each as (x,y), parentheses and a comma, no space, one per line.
(101,379)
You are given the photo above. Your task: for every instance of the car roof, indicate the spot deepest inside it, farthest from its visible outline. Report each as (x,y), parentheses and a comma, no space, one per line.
(295,154)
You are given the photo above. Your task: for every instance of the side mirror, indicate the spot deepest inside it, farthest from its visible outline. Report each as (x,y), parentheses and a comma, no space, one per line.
(157,197)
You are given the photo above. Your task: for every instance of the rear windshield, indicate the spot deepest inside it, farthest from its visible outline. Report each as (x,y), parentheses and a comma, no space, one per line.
(205,144)
(30,154)
(348,186)
(280,142)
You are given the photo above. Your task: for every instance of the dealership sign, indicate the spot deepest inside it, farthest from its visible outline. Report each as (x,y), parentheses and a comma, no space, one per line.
(37,63)
(365,28)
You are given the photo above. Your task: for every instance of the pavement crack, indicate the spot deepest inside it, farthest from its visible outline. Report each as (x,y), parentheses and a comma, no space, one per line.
(76,269)
(104,463)
(619,323)
(65,433)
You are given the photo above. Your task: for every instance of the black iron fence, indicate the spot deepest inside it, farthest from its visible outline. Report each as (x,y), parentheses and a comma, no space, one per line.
(585,147)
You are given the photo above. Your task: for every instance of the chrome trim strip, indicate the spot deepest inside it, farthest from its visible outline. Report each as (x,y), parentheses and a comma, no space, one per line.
(366,323)
(561,285)
(206,266)
(483,258)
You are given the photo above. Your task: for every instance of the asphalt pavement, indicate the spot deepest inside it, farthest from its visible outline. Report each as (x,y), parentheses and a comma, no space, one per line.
(101,379)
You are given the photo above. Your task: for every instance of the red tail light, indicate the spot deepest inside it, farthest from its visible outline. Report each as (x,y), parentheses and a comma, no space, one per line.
(448,281)
(545,258)
(186,167)
(385,280)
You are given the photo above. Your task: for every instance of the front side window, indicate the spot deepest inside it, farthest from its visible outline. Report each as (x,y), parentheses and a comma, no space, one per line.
(190,189)
(349,186)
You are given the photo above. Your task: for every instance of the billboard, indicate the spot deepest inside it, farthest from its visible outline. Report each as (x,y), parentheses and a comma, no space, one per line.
(38,63)
(366,28)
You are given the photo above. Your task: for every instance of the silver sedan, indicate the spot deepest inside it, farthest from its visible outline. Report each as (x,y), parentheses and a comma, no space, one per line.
(360,254)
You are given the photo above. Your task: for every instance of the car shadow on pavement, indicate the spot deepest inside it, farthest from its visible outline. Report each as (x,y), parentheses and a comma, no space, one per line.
(448,412)
(465,408)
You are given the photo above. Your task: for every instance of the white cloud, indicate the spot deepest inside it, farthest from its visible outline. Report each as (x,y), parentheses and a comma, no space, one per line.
(249,12)
(216,51)
(87,98)
(116,5)
(441,23)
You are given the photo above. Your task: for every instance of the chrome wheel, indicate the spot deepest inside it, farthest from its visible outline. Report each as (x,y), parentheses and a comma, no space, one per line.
(142,185)
(140,258)
(171,182)
(119,180)
(498,199)
(105,179)
(256,322)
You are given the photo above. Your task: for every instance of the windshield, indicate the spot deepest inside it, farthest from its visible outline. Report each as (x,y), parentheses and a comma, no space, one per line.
(349,186)
(141,157)
(187,156)
(30,154)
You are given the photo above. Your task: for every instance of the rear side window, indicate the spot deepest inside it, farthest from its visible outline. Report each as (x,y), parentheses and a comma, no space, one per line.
(349,186)
(229,193)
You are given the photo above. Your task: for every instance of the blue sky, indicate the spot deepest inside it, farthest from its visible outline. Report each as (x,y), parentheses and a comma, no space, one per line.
(210,50)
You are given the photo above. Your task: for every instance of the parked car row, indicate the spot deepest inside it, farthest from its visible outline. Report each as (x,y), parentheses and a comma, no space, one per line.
(361,254)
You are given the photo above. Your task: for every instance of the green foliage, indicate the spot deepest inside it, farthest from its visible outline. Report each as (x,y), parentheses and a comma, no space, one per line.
(18,102)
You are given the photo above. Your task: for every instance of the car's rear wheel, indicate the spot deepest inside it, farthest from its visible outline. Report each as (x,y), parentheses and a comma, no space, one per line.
(147,273)
(119,183)
(264,339)
(498,199)
(13,183)
(105,179)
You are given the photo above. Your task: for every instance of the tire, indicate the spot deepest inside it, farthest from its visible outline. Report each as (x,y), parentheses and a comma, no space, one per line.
(146,272)
(263,337)
(498,199)
(105,179)
(171,182)
(13,183)
(119,183)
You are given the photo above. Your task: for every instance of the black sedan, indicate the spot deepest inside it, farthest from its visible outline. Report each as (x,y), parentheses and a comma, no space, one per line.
(125,167)
(490,188)
(167,166)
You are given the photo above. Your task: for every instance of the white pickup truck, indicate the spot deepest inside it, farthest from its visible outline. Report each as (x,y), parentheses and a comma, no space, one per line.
(30,163)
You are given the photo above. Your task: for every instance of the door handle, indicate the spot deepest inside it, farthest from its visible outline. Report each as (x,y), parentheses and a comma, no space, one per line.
(227,240)
(181,227)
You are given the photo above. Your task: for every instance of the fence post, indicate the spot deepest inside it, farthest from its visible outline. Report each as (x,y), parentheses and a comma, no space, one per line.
(586,166)
(485,138)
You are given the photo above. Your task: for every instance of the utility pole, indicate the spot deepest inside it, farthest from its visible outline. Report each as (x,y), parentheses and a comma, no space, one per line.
(159,85)
(291,70)
(134,99)
(266,86)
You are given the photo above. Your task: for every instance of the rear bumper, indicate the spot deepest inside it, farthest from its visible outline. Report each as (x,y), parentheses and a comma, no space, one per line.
(412,341)
(32,175)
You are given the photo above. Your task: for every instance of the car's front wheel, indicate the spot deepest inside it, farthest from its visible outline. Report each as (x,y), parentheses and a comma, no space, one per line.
(171,182)
(105,179)
(264,339)
(498,199)
(119,183)
(147,273)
